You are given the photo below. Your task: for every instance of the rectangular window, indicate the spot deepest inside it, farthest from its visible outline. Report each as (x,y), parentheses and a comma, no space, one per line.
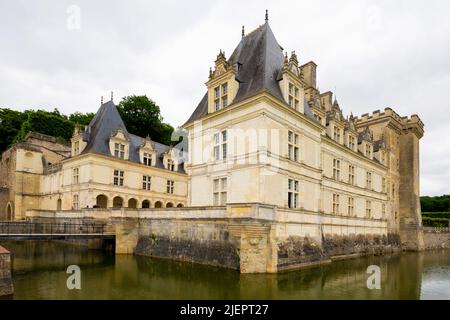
(221,96)
(293,188)
(220,191)
(335,204)
(351,142)
(369,180)
(351,175)
(368,150)
(224,144)
(293,146)
(119,150)
(351,202)
(76,148)
(337,134)
(75,175)
(146,183)
(170,184)
(368,209)
(293,96)
(170,165)
(220,145)
(216,146)
(147,159)
(75,202)
(337,169)
(118,177)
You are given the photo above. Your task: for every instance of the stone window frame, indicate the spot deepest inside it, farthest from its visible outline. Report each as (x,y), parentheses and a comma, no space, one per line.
(75,201)
(293,193)
(119,176)
(368,209)
(170,186)
(337,169)
(220,191)
(293,96)
(146,183)
(293,148)
(350,206)
(351,174)
(221,96)
(369,180)
(336,204)
(75,175)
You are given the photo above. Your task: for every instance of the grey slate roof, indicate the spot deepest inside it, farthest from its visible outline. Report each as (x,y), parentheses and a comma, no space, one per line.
(106,122)
(261,59)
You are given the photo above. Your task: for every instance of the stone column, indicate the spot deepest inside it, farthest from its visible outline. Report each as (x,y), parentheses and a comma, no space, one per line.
(411,234)
(6,285)
(127,233)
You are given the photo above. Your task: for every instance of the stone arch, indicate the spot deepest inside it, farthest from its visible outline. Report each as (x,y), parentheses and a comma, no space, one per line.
(9,212)
(58,204)
(132,203)
(158,204)
(180,205)
(145,204)
(117,202)
(101,201)
(169,205)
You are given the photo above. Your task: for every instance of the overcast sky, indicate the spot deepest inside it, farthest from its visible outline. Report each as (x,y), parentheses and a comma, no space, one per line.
(374,54)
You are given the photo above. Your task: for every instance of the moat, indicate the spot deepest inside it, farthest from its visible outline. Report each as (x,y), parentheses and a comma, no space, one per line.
(39,272)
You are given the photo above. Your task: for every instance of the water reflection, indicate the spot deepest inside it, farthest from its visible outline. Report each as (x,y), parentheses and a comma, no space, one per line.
(40,273)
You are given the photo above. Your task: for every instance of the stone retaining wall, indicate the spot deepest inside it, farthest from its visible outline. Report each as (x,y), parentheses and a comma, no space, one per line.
(6,285)
(436,238)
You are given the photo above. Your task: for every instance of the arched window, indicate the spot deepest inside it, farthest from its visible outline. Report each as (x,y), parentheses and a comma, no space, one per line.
(102,201)
(132,203)
(180,205)
(117,202)
(158,204)
(169,205)
(145,204)
(58,204)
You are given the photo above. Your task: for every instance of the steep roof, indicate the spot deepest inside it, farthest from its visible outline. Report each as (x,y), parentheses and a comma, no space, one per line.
(261,59)
(104,124)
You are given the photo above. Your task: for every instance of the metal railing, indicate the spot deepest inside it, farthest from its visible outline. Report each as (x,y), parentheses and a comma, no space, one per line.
(436,229)
(29,227)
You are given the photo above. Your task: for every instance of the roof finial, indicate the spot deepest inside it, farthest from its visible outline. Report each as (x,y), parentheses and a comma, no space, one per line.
(101,100)
(112,95)
(267,15)
(243,31)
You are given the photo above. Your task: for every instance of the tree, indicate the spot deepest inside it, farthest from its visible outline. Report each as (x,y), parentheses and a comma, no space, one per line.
(82,119)
(142,117)
(51,123)
(10,124)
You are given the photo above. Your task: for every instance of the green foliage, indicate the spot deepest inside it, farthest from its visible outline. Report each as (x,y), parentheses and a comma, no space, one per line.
(82,119)
(140,114)
(434,222)
(440,215)
(142,117)
(10,123)
(435,204)
(50,123)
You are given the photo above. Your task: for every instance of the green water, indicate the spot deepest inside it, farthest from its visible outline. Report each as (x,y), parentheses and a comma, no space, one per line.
(39,272)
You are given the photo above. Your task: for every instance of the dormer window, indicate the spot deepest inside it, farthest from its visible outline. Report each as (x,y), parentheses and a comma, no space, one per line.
(351,142)
(293,96)
(119,150)
(76,148)
(147,159)
(368,151)
(337,134)
(170,165)
(221,96)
